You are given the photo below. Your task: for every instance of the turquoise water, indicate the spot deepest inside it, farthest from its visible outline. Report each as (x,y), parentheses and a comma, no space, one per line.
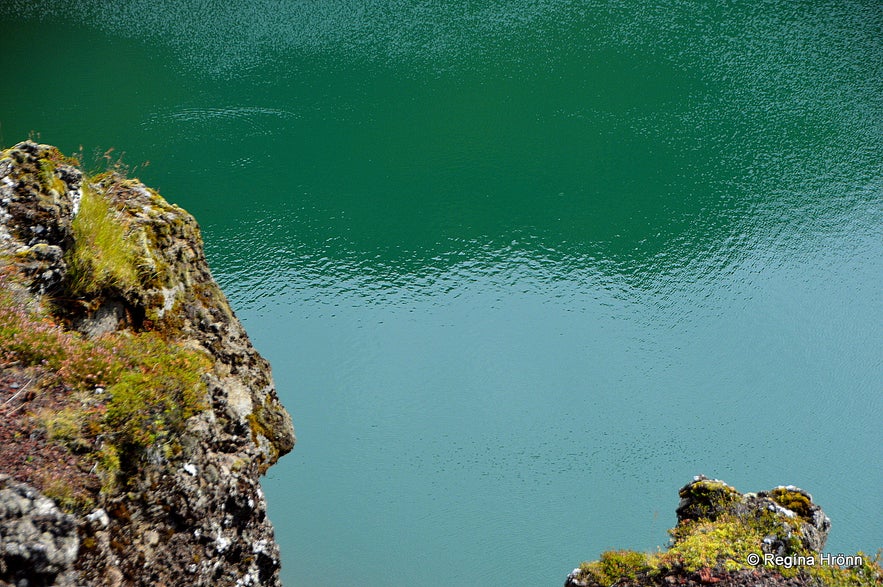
(521,268)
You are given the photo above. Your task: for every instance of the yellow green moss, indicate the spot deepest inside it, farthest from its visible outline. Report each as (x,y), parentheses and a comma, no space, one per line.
(616,565)
(154,400)
(708,498)
(262,421)
(794,501)
(48,179)
(259,428)
(724,545)
(67,426)
(68,497)
(108,460)
(867,574)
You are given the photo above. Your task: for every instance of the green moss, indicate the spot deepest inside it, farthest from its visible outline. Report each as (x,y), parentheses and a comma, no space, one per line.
(867,574)
(153,401)
(108,461)
(66,426)
(103,257)
(259,428)
(259,424)
(794,501)
(724,543)
(48,179)
(617,565)
(707,499)
(69,498)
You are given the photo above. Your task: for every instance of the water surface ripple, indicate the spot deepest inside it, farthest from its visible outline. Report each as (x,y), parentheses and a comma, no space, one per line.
(522,268)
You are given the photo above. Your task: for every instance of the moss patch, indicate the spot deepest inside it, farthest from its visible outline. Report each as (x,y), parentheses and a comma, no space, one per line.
(153,400)
(617,565)
(724,543)
(867,574)
(707,499)
(126,392)
(719,529)
(795,501)
(48,177)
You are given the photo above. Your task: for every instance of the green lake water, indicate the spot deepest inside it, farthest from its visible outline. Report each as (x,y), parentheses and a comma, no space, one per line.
(522,268)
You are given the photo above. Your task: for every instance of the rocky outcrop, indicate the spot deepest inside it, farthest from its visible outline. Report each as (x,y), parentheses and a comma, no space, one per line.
(167,454)
(799,524)
(731,539)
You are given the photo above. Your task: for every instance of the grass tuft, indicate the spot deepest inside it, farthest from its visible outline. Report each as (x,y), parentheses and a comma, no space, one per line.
(102,256)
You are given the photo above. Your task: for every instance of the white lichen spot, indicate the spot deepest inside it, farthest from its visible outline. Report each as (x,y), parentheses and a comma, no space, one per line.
(222,543)
(247,579)
(169,296)
(190,468)
(76,198)
(782,511)
(99,516)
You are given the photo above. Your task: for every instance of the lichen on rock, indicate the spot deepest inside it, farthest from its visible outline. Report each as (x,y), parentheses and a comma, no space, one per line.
(140,380)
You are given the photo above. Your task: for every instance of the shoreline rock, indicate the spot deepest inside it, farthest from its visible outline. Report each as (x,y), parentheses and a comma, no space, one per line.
(724,537)
(139,379)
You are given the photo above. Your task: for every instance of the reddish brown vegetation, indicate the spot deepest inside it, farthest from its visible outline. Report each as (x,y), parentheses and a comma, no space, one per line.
(27,454)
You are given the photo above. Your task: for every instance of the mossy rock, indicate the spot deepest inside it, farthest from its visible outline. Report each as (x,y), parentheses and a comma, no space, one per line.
(718,528)
(705,498)
(615,566)
(794,499)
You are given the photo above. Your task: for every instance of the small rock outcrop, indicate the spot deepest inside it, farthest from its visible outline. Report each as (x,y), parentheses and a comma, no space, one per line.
(770,538)
(800,525)
(130,396)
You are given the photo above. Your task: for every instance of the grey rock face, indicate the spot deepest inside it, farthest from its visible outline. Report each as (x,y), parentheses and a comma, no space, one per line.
(194,515)
(38,543)
(39,194)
